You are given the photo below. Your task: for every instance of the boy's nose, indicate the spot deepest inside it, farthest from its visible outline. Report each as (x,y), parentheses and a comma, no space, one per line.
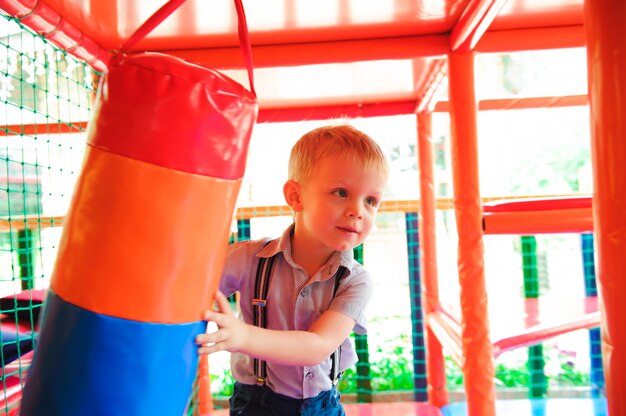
(354,211)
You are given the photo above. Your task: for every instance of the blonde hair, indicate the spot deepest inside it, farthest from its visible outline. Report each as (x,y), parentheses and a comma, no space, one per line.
(343,140)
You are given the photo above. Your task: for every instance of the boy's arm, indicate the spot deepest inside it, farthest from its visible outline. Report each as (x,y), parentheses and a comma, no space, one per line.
(301,348)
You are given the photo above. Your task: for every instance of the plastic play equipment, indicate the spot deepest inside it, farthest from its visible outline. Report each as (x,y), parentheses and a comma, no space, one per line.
(421,39)
(531,320)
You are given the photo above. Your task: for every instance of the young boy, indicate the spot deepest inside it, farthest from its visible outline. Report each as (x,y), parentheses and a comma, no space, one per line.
(283,357)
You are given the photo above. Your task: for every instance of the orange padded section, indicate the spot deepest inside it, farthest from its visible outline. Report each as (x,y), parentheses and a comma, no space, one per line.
(143,242)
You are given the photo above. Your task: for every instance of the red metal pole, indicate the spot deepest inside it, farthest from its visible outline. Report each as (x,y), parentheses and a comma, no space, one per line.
(435,365)
(478,366)
(606,61)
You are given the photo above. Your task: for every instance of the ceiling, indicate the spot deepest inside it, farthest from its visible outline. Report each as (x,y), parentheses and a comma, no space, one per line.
(380,55)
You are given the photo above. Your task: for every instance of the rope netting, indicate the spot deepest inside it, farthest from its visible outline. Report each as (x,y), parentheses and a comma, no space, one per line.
(45,102)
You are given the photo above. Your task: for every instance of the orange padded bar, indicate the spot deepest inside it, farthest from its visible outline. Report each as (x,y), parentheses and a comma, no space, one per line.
(538,204)
(539,222)
(435,363)
(478,368)
(115,248)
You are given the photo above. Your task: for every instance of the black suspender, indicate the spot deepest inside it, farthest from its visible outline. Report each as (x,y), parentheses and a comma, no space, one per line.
(259,311)
(335,374)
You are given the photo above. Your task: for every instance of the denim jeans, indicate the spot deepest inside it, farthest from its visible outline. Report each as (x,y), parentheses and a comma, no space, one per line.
(252,400)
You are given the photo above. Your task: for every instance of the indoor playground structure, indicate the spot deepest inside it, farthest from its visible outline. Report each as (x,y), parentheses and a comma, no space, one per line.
(140,138)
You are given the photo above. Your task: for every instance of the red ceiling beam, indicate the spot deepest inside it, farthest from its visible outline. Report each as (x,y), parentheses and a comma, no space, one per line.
(469,32)
(518,40)
(409,47)
(473,23)
(317,112)
(46,22)
(380,109)
(522,103)
(312,53)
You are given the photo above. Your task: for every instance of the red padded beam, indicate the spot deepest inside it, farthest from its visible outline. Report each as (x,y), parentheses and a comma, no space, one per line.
(606,60)
(48,23)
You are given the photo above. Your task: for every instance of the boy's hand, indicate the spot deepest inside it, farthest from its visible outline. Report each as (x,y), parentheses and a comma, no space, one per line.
(232,333)
(299,348)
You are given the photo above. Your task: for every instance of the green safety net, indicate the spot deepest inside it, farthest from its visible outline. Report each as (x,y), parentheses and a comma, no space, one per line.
(45,102)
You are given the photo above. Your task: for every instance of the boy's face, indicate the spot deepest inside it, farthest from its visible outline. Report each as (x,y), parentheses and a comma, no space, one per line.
(339,203)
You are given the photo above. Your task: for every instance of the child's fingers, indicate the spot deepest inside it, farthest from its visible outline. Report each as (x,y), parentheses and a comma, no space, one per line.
(213,338)
(219,318)
(222,316)
(222,302)
(210,349)
(221,307)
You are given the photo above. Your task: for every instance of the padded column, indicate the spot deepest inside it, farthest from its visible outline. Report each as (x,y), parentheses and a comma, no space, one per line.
(144,241)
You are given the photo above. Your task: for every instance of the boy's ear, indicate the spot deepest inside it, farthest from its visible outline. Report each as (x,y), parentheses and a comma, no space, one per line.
(293,196)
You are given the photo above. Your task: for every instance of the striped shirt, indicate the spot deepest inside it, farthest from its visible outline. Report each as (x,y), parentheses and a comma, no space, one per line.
(294,302)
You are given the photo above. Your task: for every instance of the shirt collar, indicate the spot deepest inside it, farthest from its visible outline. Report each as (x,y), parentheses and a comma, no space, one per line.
(283,244)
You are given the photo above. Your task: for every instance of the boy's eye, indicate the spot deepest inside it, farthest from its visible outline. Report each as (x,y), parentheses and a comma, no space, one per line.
(371,201)
(341,193)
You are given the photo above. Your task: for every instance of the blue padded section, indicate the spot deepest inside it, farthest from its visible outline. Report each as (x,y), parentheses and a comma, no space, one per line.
(90,364)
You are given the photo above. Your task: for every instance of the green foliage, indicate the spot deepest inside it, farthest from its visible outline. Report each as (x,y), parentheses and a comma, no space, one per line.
(222,383)
(567,374)
(507,377)
(454,375)
(348,383)
(561,370)
(391,369)
(512,377)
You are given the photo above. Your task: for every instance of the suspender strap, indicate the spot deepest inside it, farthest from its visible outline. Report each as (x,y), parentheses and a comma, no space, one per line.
(259,311)
(335,375)
(259,315)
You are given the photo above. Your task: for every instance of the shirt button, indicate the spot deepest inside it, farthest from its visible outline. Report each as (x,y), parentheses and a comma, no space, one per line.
(309,376)
(304,292)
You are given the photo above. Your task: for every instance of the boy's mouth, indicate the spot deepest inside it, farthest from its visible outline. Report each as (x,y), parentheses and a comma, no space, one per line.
(348,229)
